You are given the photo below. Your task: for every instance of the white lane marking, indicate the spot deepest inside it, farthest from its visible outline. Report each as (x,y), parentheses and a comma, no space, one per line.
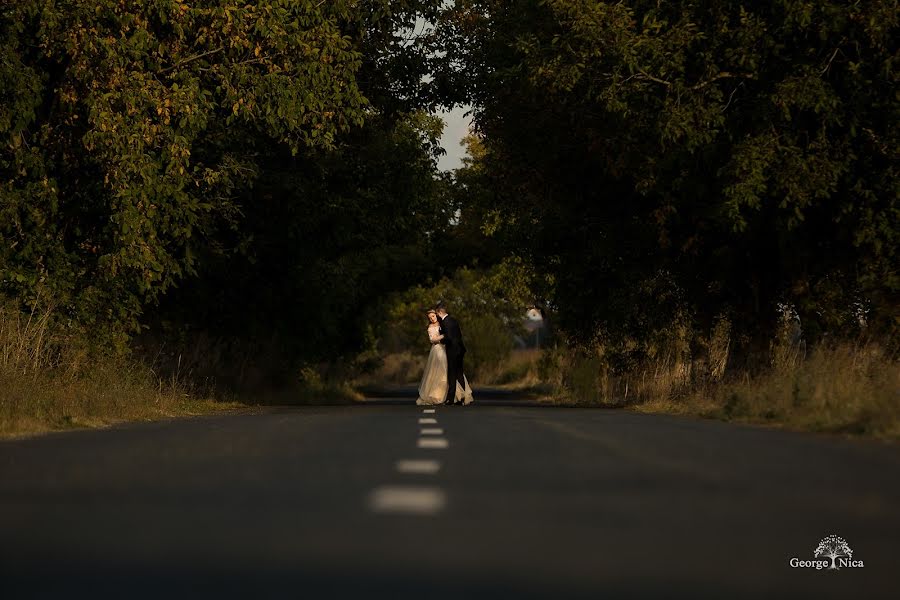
(431,431)
(428,421)
(419,467)
(407,499)
(428,411)
(431,442)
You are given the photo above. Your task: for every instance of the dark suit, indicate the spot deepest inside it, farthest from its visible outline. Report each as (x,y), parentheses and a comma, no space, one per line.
(456,351)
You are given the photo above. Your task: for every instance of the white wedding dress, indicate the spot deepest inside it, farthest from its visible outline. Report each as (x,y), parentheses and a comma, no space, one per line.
(433,387)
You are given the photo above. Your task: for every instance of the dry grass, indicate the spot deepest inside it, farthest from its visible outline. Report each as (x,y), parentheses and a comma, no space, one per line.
(394,369)
(839,387)
(518,370)
(50,381)
(106,396)
(315,389)
(842,388)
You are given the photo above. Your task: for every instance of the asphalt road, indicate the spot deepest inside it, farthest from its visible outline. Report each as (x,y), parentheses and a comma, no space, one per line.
(517,501)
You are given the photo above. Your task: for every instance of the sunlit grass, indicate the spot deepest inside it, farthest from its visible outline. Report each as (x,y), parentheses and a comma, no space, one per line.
(841,388)
(49,382)
(105,395)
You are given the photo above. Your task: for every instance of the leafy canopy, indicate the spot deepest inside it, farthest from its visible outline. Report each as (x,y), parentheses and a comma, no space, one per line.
(715,157)
(127,128)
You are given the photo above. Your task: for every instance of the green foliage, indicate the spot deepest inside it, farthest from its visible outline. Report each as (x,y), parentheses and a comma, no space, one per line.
(707,157)
(129,129)
(247,175)
(489,304)
(488,342)
(323,237)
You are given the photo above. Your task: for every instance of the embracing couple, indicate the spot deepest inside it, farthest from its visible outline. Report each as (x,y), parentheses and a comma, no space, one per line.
(444,381)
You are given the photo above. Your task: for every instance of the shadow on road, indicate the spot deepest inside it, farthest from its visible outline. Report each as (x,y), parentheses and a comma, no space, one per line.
(493,396)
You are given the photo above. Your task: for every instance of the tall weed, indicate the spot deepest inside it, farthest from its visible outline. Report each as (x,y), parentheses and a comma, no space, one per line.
(51,380)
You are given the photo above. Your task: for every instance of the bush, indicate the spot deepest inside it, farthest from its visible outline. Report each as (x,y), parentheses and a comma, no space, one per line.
(488,345)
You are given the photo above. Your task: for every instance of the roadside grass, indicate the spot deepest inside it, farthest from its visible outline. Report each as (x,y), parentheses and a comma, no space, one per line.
(518,370)
(106,395)
(842,388)
(50,382)
(399,368)
(521,372)
(316,388)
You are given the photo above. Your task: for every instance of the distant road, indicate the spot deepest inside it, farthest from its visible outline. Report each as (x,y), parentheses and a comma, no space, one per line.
(504,499)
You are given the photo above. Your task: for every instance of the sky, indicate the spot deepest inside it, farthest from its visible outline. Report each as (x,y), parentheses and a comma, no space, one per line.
(457,127)
(456,123)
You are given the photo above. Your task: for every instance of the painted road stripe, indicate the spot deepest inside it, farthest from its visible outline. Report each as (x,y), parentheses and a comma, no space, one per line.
(427,421)
(428,411)
(417,500)
(419,467)
(432,442)
(431,431)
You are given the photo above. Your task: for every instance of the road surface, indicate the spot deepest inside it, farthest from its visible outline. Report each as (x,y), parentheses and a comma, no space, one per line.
(503,499)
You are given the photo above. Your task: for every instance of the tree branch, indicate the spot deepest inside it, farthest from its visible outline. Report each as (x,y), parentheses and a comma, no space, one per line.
(654,79)
(830,60)
(722,75)
(191,59)
(727,104)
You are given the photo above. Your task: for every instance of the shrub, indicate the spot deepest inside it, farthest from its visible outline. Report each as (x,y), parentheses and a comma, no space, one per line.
(488,345)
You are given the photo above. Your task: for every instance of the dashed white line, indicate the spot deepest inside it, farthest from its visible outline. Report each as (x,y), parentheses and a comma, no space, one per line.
(431,431)
(428,411)
(427,421)
(419,467)
(418,500)
(432,442)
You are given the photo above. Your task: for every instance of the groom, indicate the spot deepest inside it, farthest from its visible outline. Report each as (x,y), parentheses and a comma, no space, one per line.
(456,350)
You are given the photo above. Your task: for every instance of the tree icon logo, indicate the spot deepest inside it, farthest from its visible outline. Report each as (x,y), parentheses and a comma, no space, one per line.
(832,554)
(834,547)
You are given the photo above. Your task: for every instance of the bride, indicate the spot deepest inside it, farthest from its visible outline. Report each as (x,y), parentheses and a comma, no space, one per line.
(433,387)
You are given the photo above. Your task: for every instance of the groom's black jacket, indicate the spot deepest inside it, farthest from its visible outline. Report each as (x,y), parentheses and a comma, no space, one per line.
(453,340)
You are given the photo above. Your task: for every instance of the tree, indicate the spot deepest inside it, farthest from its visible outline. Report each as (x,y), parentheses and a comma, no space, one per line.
(706,157)
(162,151)
(323,237)
(833,547)
(129,127)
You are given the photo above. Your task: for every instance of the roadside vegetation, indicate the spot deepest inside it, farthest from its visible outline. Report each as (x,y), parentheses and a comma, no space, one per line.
(50,381)
(215,202)
(845,387)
